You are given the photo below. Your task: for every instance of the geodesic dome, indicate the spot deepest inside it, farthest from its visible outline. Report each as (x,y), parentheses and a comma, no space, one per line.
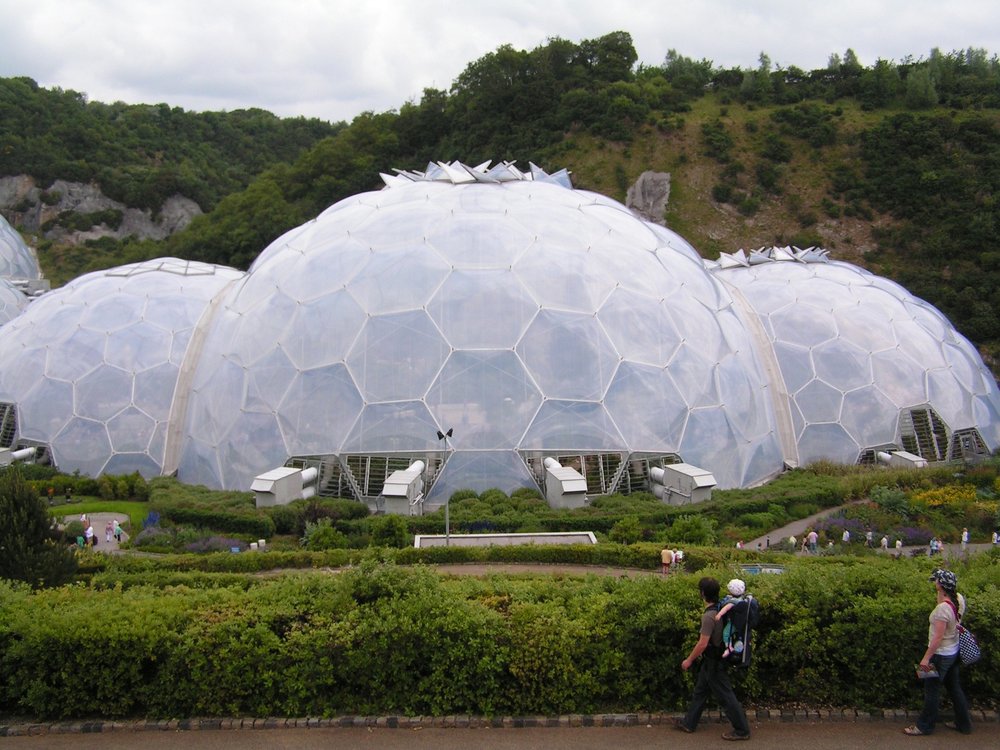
(528,318)
(17,260)
(12,301)
(864,364)
(483,320)
(90,369)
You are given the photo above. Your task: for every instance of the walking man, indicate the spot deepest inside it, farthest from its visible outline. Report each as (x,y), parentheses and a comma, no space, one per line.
(712,677)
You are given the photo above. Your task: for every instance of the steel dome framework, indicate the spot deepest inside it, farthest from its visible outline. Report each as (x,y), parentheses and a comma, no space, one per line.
(528,318)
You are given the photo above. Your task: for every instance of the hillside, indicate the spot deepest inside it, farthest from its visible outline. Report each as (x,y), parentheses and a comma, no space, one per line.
(893,167)
(789,215)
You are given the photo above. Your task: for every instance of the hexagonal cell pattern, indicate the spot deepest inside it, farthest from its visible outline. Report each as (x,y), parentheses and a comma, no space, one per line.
(519,316)
(93,366)
(856,352)
(12,301)
(519,313)
(17,260)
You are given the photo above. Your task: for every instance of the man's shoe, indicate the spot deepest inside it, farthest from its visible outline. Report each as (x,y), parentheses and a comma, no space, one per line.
(681,726)
(953,725)
(734,736)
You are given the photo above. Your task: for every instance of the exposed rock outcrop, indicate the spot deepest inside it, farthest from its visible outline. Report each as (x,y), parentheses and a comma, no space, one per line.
(649,195)
(21,202)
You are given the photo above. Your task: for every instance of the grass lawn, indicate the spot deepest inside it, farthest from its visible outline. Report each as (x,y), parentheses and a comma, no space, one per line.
(135,511)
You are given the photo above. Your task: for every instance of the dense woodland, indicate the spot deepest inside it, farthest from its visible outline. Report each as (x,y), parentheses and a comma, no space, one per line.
(894,165)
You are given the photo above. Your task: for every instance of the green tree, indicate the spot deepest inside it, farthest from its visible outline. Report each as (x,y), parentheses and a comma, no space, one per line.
(880,84)
(31,549)
(686,74)
(920,90)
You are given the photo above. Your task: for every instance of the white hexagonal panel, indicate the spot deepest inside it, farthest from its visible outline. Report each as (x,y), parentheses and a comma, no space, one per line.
(856,352)
(108,347)
(12,301)
(522,315)
(486,397)
(17,260)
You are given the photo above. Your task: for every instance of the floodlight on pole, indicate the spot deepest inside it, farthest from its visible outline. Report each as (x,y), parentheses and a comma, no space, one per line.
(447,503)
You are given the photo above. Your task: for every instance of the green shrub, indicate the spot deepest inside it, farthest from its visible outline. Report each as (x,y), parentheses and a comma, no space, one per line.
(377,639)
(389,531)
(626,531)
(322,536)
(692,530)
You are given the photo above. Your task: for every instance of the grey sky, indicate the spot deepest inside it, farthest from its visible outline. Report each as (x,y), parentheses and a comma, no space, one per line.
(335,58)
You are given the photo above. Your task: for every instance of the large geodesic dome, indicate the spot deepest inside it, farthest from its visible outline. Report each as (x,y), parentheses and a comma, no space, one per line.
(865,365)
(483,321)
(17,260)
(527,318)
(90,370)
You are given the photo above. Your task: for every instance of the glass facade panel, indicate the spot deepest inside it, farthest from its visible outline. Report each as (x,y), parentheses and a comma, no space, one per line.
(580,284)
(486,397)
(112,313)
(103,393)
(45,410)
(130,463)
(819,402)
(869,417)
(82,352)
(259,448)
(318,410)
(83,443)
(694,377)
(479,471)
(482,309)
(646,408)
(900,378)
(639,327)
(951,400)
(397,356)
(399,279)
(474,241)
(322,330)
(827,442)
(12,301)
(855,324)
(842,364)
(138,348)
(388,428)
(305,277)
(17,260)
(709,442)
(131,432)
(268,381)
(568,355)
(572,426)
(802,324)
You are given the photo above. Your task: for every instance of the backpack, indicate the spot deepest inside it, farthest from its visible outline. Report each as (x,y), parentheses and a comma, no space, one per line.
(740,622)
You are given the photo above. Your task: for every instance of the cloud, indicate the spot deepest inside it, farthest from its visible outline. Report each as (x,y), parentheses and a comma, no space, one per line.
(335,58)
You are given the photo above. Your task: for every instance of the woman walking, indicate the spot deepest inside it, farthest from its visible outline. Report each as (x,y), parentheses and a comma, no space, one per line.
(940,664)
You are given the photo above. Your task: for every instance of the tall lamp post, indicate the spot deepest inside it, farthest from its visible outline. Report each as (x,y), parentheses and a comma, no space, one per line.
(447,521)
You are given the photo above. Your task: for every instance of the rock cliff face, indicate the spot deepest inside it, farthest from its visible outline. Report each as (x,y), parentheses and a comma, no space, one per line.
(649,195)
(22,205)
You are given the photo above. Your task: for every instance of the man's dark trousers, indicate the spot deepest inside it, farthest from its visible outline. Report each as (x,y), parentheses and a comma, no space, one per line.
(712,678)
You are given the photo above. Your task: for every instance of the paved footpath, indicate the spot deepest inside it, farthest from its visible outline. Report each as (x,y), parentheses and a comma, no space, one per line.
(876,734)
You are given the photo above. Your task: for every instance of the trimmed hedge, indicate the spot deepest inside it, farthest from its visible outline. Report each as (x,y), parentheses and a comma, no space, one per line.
(378,639)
